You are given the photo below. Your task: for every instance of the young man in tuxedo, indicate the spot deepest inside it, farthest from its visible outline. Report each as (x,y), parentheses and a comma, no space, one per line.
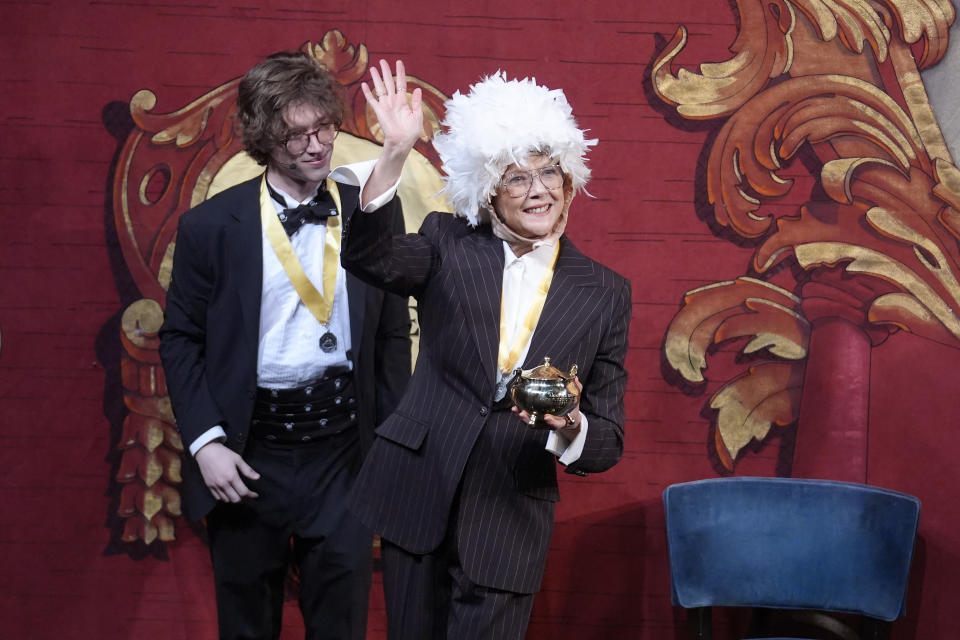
(279,365)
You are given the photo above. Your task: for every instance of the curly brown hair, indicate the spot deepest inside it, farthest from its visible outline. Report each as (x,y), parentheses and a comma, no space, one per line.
(268,89)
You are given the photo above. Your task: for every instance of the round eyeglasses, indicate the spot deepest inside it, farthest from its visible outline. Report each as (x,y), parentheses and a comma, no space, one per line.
(325,133)
(518,184)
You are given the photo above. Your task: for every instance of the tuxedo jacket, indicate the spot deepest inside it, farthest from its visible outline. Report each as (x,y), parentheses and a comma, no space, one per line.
(451,460)
(211,330)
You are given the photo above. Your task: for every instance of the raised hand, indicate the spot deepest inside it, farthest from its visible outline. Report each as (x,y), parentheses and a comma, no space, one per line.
(401,119)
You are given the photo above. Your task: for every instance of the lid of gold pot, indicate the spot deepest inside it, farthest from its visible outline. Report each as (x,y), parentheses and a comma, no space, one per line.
(545,371)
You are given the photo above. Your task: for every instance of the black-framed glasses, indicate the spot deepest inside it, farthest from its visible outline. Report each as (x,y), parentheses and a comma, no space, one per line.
(325,133)
(517,184)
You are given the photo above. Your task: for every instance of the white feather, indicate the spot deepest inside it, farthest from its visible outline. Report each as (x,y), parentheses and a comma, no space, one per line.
(498,123)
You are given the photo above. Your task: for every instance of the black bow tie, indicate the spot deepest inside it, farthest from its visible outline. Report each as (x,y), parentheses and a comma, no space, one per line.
(317,210)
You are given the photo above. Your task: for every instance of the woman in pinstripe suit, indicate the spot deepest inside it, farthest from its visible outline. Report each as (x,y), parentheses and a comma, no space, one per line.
(459,488)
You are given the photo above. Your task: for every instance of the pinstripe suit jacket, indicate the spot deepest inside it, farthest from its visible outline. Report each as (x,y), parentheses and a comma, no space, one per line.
(448,435)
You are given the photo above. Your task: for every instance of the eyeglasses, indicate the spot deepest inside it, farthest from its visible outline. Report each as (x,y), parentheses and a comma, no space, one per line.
(325,133)
(518,183)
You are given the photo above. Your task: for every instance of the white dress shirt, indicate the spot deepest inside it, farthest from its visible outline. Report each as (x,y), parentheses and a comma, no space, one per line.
(521,281)
(289,353)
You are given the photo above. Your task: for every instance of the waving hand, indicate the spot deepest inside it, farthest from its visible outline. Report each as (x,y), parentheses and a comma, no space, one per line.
(401,120)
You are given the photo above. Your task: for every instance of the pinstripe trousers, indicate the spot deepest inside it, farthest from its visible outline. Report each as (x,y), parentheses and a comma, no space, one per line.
(460,490)
(436,595)
(429,597)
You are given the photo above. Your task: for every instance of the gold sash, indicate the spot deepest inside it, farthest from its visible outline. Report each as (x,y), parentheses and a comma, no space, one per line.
(508,356)
(319,305)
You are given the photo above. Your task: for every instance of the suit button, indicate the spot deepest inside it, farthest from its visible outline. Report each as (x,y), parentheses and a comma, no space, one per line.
(484,411)
(241,437)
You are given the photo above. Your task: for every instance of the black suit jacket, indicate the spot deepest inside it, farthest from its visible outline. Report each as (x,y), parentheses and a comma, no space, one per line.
(448,434)
(211,330)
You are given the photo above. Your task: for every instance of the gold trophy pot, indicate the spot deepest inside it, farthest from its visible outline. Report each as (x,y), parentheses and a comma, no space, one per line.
(544,389)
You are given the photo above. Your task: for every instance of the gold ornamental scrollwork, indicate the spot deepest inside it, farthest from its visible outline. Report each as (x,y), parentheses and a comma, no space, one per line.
(150,466)
(839,78)
(170,162)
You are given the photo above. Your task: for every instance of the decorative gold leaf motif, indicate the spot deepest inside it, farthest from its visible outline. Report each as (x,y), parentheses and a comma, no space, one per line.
(771,128)
(764,46)
(763,50)
(150,462)
(743,308)
(948,186)
(184,126)
(882,252)
(863,260)
(347,62)
(902,242)
(856,22)
(927,20)
(836,176)
(748,406)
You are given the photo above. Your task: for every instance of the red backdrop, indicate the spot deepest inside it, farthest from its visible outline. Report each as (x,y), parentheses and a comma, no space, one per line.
(70,70)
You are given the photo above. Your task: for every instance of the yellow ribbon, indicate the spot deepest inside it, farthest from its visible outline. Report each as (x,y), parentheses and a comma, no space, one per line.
(319,305)
(508,356)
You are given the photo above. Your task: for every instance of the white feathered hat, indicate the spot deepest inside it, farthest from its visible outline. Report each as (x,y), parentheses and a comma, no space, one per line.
(498,123)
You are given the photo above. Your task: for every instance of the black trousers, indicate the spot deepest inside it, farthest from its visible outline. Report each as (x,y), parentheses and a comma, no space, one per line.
(299,520)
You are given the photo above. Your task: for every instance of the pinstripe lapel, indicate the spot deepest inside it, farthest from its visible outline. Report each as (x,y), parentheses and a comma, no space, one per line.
(573,298)
(480,275)
(245,259)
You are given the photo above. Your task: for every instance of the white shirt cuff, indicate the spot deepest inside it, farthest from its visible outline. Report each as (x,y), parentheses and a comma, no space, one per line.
(568,451)
(357,174)
(216,433)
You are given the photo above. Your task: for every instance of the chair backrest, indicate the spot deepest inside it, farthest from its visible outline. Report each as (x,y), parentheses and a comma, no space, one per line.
(790,543)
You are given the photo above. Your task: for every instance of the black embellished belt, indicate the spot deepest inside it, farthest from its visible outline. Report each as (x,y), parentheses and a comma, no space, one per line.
(315,410)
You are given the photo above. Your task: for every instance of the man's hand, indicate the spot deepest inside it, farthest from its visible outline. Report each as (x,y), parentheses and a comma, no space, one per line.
(221,468)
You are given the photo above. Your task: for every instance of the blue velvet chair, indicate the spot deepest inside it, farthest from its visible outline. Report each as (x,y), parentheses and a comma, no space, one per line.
(793,550)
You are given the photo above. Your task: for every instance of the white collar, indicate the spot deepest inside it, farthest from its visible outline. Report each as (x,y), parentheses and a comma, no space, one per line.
(540,256)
